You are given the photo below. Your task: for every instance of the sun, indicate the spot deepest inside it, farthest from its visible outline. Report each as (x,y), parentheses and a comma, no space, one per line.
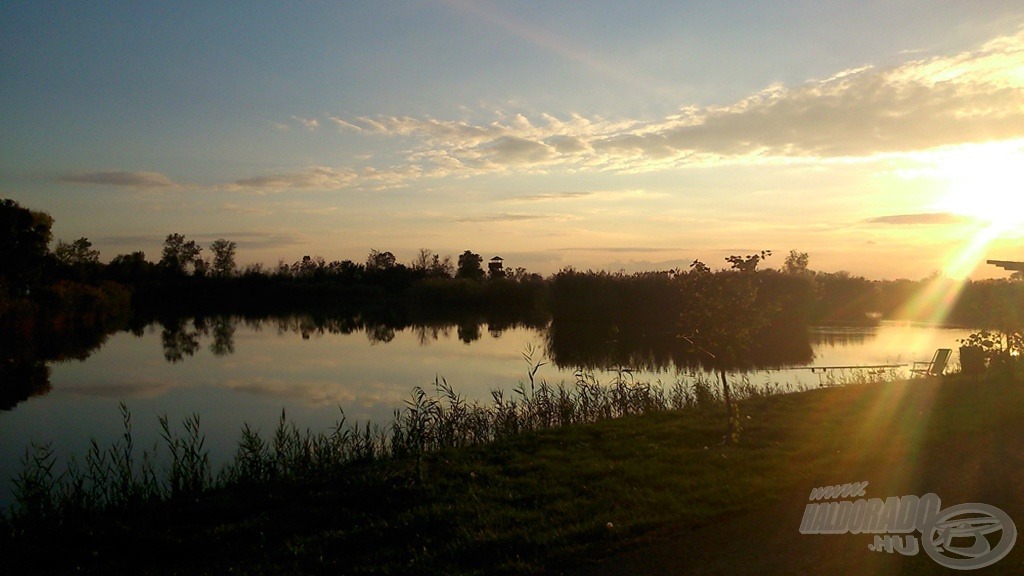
(984,182)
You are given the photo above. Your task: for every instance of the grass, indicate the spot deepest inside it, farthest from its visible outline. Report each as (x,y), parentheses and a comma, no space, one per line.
(540,481)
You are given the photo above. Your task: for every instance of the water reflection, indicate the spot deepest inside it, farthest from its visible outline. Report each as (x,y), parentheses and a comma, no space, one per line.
(595,345)
(181,337)
(21,379)
(25,357)
(837,336)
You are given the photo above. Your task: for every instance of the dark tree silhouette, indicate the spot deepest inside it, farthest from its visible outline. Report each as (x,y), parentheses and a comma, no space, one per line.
(223,258)
(470,266)
(179,253)
(378,261)
(24,246)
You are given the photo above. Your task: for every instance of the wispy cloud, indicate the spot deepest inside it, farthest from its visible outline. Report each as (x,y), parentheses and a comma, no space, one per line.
(503,217)
(123,179)
(548,196)
(922,219)
(307,123)
(326,178)
(923,104)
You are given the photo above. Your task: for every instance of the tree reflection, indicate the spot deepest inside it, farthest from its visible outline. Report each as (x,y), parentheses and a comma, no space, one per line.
(178,341)
(604,345)
(21,379)
(223,336)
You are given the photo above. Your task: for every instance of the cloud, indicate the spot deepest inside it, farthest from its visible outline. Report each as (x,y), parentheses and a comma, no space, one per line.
(503,217)
(308,123)
(126,179)
(922,219)
(325,178)
(921,104)
(316,177)
(552,196)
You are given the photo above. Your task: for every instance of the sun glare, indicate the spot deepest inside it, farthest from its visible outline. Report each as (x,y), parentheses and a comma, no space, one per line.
(985,182)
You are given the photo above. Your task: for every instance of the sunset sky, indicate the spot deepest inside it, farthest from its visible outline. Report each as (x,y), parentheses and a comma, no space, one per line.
(883,138)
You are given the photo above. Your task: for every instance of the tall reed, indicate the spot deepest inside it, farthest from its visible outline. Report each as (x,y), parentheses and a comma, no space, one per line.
(432,420)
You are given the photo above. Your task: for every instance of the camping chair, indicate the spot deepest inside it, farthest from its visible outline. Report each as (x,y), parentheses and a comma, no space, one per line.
(935,367)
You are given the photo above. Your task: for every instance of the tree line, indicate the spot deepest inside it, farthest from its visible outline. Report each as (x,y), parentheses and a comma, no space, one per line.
(70,282)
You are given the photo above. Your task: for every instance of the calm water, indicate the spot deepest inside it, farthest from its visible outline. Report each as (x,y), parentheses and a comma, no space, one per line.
(235,373)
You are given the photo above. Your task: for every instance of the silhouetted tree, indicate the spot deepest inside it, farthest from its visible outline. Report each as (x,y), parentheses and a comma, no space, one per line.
(76,254)
(748,263)
(378,261)
(796,262)
(178,254)
(309,267)
(421,263)
(24,246)
(129,267)
(469,266)
(223,258)
(441,268)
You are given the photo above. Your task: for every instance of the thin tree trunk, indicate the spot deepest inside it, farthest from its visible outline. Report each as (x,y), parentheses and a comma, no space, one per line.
(728,405)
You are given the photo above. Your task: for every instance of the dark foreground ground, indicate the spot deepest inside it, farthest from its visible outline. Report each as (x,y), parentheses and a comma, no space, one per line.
(656,494)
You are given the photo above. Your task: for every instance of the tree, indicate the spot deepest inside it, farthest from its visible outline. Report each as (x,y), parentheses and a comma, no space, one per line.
(76,254)
(129,267)
(378,261)
(77,258)
(441,268)
(748,263)
(24,246)
(796,262)
(421,263)
(178,254)
(469,266)
(720,316)
(223,258)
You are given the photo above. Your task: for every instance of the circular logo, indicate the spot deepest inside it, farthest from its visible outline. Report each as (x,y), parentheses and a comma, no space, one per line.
(969,536)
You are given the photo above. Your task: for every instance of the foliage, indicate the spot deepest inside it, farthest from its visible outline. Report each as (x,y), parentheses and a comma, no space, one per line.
(797,262)
(749,262)
(24,245)
(223,258)
(76,254)
(379,261)
(178,254)
(470,266)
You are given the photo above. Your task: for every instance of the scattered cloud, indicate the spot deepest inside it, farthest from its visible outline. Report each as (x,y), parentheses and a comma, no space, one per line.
(124,389)
(316,177)
(503,217)
(326,178)
(859,112)
(125,179)
(922,104)
(547,196)
(922,219)
(308,123)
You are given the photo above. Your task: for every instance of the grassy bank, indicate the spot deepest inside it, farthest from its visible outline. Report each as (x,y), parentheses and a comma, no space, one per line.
(560,491)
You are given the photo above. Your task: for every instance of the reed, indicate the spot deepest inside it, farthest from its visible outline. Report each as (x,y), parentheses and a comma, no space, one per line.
(432,420)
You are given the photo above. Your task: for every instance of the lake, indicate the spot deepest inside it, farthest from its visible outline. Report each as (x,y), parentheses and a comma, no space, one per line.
(232,372)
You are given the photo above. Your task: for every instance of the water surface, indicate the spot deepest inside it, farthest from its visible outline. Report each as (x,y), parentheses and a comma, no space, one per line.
(232,372)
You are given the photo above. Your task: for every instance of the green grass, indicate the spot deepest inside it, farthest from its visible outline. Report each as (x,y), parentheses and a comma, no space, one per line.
(530,498)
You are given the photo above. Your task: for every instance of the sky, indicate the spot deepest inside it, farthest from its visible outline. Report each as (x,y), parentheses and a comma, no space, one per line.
(885,139)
